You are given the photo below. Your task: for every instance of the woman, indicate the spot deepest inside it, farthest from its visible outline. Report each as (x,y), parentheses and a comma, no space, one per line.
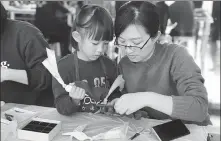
(162,79)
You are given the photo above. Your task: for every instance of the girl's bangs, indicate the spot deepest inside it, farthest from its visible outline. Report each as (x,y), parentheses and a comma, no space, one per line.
(100,29)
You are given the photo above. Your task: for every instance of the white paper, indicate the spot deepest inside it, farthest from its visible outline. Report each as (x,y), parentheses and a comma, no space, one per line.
(2,103)
(9,129)
(5,121)
(20,115)
(81,128)
(112,134)
(79,136)
(51,64)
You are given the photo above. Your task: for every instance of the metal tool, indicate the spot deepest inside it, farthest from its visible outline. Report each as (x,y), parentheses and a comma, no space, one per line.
(137,134)
(104,105)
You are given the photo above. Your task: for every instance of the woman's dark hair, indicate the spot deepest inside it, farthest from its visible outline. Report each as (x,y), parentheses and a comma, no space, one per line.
(137,12)
(94,22)
(3,17)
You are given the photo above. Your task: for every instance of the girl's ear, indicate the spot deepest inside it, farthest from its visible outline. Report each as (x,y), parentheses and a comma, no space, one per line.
(76,35)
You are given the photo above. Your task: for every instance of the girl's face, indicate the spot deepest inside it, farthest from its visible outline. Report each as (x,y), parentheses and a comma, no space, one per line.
(90,49)
(138,44)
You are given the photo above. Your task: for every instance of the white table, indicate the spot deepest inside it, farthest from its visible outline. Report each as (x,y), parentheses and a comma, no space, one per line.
(25,10)
(100,123)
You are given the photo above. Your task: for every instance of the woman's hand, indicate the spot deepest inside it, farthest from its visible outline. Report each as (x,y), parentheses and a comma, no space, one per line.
(130,103)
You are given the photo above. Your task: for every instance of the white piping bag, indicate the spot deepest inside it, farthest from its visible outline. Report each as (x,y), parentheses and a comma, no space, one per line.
(119,82)
(51,64)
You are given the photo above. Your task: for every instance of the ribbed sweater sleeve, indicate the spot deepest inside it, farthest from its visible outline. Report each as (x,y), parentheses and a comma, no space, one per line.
(191,103)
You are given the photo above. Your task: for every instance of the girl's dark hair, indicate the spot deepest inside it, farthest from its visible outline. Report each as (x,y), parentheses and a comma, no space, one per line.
(80,4)
(94,22)
(3,18)
(137,12)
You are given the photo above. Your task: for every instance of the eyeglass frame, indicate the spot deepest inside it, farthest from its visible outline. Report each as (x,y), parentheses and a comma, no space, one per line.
(116,43)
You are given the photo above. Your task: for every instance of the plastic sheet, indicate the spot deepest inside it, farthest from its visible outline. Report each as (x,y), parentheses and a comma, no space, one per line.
(119,82)
(100,123)
(114,133)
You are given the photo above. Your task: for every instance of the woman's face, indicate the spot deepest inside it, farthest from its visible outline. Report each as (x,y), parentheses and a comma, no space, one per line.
(142,45)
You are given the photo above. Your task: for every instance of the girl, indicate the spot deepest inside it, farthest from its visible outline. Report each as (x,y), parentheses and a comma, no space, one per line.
(87,70)
(162,79)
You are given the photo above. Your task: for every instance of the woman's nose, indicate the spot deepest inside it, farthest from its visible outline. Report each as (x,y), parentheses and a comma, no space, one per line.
(128,50)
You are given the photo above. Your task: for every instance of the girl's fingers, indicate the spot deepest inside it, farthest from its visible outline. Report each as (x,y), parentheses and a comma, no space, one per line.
(81,94)
(71,84)
(73,89)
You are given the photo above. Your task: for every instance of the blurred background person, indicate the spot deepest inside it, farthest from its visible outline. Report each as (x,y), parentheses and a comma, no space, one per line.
(118,4)
(165,24)
(51,19)
(24,79)
(163,11)
(197,6)
(181,12)
(215,34)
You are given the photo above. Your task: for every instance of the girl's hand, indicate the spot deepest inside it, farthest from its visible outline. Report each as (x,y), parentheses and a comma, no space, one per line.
(76,92)
(109,109)
(130,103)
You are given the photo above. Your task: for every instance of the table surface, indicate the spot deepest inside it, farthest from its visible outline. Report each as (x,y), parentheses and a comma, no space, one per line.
(98,123)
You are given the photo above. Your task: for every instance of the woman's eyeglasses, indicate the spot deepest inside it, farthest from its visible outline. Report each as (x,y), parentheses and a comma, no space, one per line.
(133,48)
